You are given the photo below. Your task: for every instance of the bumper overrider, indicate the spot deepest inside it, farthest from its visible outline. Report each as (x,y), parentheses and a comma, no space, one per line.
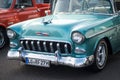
(53,59)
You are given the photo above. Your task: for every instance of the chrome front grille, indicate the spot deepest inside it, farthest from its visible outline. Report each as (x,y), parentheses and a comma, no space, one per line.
(46,46)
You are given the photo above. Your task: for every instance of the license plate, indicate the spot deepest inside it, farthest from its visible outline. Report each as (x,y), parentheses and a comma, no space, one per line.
(38,62)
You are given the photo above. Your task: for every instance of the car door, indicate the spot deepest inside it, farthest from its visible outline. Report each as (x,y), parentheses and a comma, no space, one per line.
(117,9)
(26,10)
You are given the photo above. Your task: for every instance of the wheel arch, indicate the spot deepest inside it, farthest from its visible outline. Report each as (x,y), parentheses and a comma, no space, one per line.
(96,66)
(2,26)
(110,51)
(6,39)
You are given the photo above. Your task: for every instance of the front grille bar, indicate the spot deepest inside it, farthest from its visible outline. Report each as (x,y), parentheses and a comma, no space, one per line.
(58,47)
(27,45)
(38,45)
(66,48)
(51,47)
(22,44)
(46,46)
(32,43)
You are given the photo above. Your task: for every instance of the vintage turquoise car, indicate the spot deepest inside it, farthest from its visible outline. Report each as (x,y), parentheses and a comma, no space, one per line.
(78,33)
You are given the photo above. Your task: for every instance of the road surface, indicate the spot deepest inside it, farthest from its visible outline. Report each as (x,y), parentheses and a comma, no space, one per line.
(13,70)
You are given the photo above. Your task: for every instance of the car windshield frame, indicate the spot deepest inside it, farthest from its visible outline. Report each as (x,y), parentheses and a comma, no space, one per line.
(82,7)
(5,4)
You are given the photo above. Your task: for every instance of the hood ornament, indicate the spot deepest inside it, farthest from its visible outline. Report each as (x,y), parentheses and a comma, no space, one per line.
(46,21)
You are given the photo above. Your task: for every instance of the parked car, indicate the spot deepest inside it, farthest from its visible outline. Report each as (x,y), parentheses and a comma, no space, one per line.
(14,11)
(78,33)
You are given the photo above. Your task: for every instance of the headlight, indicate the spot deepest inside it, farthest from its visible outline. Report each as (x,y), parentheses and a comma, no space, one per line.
(77,37)
(11,34)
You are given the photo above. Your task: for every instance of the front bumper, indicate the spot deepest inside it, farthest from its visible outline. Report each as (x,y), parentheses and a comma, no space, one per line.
(57,60)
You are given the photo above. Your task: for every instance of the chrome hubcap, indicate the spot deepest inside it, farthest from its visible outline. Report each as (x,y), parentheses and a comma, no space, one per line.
(1,38)
(101,55)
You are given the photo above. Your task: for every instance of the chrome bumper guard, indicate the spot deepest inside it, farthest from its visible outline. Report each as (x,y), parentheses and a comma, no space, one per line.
(57,60)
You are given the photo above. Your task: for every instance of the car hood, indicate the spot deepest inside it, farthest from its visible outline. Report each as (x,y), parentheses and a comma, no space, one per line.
(60,26)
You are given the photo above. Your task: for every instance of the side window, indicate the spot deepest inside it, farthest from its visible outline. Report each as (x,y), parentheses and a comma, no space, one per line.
(42,1)
(46,1)
(117,5)
(5,3)
(100,6)
(24,3)
(39,1)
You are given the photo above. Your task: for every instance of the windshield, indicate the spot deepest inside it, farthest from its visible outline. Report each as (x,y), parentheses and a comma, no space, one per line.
(5,3)
(81,6)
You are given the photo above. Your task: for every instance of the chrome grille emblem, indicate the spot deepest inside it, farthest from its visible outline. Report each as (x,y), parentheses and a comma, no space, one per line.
(42,34)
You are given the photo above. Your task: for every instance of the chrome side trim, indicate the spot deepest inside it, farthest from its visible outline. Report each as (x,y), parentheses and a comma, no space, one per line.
(101,32)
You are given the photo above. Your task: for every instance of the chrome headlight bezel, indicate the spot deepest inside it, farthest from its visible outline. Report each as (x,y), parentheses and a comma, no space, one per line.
(77,37)
(11,34)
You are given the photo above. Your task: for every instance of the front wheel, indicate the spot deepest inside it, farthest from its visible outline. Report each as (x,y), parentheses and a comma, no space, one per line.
(101,55)
(3,38)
